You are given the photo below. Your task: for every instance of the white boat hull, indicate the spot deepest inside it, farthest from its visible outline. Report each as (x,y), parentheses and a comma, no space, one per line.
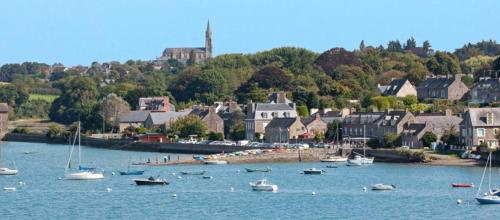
(382,187)
(334,159)
(215,162)
(7,171)
(84,176)
(488,200)
(360,161)
(264,187)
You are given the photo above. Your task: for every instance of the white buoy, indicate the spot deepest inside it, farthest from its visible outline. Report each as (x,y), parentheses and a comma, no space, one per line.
(313,193)
(459,201)
(109,189)
(364,188)
(179,177)
(232,189)
(174,195)
(113,173)
(22,183)
(173,174)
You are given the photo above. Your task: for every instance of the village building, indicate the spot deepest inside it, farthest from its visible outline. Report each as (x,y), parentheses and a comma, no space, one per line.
(4,118)
(155,104)
(314,125)
(163,120)
(227,111)
(214,123)
(282,130)
(398,88)
(259,115)
(412,134)
(440,122)
(278,98)
(486,90)
(184,54)
(450,88)
(133,119)
(328,115)
(480,126)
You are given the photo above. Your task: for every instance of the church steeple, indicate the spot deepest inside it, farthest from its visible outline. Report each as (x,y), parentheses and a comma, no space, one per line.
(208,40)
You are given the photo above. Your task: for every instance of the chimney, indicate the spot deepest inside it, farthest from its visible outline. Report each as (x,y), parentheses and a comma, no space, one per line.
(489,118)
(166,103)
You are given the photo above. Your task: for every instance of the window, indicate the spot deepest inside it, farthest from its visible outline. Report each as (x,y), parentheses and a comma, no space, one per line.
(495,131)
(480,132)
(264,114)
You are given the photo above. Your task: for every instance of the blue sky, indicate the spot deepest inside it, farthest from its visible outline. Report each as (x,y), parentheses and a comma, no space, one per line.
(79,32)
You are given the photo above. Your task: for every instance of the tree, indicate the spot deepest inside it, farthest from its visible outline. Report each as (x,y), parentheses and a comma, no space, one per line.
(251,92)
(394,46)
(451,136)
(333,131)
(331,59)
(192,58)
(188,125)
(426,46)
(209,87)
(391,140)
(54,131)
(235,126)
(409,100)
(362,45)
(215,136)
(271,77)
(411,44)
(112,107)
(428,138)
(302,111)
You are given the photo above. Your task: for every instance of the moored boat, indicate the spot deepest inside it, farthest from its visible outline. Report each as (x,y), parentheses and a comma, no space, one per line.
(7,171)
(462,185)
(381,186)
(332,166)
(215,162)
(193,172)
(132,172)
(267,169)
(313,171)
(493,195)
(360,160)
(263,185)
(334,159)
(86,175)
(150,181)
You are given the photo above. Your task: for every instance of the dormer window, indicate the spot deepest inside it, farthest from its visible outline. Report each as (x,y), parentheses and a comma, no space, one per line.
(264,114)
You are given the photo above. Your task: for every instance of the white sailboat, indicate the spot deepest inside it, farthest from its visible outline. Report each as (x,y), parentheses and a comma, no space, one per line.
(358,159)
(80,174)
(5,170)
(493,195)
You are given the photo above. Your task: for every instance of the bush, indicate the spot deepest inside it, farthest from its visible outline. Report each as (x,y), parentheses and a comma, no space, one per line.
(20,130)
(373,143)
(391,140)
(54,131)
(428,138)
(215,136)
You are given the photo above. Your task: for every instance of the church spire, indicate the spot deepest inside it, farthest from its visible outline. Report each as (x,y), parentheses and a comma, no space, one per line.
(208,40)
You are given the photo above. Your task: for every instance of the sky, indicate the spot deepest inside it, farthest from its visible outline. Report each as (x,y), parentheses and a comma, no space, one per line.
(76,32)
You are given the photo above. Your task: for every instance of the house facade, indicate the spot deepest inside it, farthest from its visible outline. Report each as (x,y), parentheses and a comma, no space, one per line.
(412,134)
(486,90)
(211,119)
(328,115)
(442,88)
(4,118)
(314,124)
(155,104)
(282,130)
(259,115)
(133,119)
(163,119)
(480,126)
(398,88)
(440,122)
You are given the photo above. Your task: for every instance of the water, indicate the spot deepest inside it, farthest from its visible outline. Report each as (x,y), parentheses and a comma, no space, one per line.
(422,191)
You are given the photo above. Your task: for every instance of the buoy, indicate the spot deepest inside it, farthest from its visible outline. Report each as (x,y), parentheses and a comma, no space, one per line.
(313,193)
(232,189)
(113,173)
(22,183)
(459,201)
(60,178)
(174,195)
(364,188)
(109,189)
(173,174)
(179,177)
(237,171)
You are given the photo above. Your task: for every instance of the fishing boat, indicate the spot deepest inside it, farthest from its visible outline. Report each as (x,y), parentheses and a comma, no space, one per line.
(5,170)
(361,159)
(265,170)
(193,172)
(215,162)
(462,185)
(381,186)
(334,159)
(80,174)
(263,185)
(150,181)
(313,171)
(493,195)
(131,172)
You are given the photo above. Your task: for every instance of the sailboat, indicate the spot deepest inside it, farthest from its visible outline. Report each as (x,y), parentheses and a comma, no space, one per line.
(131,172)
(358,159)
(493,195)
(80,174)
(5,170)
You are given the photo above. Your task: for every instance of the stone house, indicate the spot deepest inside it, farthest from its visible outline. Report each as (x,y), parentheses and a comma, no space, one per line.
(4,118)
(155,104)
(314,124)
(227,111)
(259,115)
(211,119)
(412,134)
(133,119)
(486,90)
(480,125)
(163,119)
(398,88)
(278,97)
(440,122)
(442,88)
(329,116)
(282,130)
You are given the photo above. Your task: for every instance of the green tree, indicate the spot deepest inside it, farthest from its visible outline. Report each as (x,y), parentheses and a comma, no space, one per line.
(112,107)
(409,100)
(333,131)
(428,138)
(302,111)
(215,136)
(192,58)
(362,46)
(391,140)
(188,125)
(451,136)
(209,87)
(54,131)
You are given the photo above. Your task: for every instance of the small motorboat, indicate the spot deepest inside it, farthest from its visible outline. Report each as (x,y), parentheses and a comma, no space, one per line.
(215,162)
(193,172)
(313,171)
(131,172)
(462,185)
(207,177)
(263,185)
(9,189)
(334,159)
(381,186)
(267,169)
(150,181)
(7,171)
(332,166)
(86,175)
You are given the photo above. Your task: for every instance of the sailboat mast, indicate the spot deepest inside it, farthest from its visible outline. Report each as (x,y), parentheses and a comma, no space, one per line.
(364,140)
(489,180)
(0,154)
(79,145)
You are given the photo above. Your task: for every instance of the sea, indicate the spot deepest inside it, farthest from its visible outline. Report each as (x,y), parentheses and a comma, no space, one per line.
(422,191)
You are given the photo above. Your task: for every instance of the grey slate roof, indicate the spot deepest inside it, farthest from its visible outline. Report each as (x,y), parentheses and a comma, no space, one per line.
(440,123)
(161,117)
(281,123)
(4,107)
(394,87)
(478,116)
(362,118)
(436,83)
(414,128)
(134,116)
(273,107)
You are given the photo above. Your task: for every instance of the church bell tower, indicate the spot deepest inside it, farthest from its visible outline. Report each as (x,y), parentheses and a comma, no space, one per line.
(208,41)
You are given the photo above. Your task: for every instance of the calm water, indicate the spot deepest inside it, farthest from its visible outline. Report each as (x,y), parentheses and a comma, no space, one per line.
(423,191)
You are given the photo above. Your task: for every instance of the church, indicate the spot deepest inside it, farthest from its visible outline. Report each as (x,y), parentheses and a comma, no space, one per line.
(184,54)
